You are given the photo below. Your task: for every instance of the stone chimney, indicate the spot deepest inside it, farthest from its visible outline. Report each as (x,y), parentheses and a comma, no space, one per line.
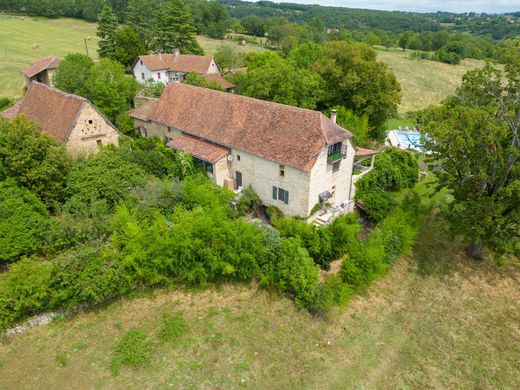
(176,53)
(333,115)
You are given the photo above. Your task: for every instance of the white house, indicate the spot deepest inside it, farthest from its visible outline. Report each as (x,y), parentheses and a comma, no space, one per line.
(293,158)
(167,68)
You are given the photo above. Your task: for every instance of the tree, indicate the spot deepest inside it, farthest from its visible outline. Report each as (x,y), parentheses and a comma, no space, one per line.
(253,25)
(140,15)
(474,137)
(106,32)
(404,39)
(228,57)
(109,88)
(23,221)
(199,81)
(72,74)
(33,159)
(128,46)
(356,80)
(175,29)
(280,81)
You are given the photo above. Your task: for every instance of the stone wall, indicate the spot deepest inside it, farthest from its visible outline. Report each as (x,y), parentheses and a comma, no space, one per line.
(90,131)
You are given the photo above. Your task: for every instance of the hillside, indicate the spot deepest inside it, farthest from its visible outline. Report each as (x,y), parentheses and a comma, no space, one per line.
(424,82)
(437,321)
(52,36)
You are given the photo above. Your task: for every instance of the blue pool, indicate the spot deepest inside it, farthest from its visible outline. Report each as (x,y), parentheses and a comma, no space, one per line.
(409,139)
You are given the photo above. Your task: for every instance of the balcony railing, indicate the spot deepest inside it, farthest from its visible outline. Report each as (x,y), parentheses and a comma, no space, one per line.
(337,155)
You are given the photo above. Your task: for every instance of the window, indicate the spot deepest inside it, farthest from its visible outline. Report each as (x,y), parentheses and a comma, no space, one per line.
(333,190)
(238,176)
(208,166)
(238,157)
(335,166)
(281,194)
(159,75)
(99,142)
(90,121)
(141,62)
(282,170)
(142,76)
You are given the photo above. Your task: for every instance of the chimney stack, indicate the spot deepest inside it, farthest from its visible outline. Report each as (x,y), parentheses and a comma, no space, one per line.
(333,115)
(176,52)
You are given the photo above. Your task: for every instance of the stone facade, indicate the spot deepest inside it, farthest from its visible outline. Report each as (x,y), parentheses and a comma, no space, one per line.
(44,77)
(90,131)
(262,175)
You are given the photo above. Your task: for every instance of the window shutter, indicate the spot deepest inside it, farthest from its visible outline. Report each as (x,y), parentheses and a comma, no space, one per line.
(286,197)
(275,192)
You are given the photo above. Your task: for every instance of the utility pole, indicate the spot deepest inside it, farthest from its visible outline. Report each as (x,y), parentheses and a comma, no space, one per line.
(86,47)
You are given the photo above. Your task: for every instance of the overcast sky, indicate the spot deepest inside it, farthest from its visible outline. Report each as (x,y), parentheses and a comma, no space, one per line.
(489,6)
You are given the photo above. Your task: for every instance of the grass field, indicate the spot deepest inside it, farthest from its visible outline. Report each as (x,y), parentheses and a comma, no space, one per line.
(424,82)
(435,321)
(53,36)
(211,45)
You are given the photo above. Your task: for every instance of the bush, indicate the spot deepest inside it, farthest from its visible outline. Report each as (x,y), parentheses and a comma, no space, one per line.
(173,329)
(329,294)
(248,202)
(133,349)
(24,290)
(23,222)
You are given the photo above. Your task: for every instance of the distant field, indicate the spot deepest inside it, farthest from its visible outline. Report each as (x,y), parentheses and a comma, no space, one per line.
(424,82)
(53,36)
(211,45)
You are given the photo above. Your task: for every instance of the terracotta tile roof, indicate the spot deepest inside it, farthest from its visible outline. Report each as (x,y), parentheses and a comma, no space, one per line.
(40,65)
(199,148)
(185,63)
(144,110)
(362,152)
(12,111)
(217,78)
(288,135)
(54,110)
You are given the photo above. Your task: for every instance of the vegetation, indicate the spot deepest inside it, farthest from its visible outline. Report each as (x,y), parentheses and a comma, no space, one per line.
(474,137)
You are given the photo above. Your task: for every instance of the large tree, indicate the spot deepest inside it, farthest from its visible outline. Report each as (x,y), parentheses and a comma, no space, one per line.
(474,137)
(128,46)
(106,32)
(175,29)
(356,80)
(72,74)
(140,15)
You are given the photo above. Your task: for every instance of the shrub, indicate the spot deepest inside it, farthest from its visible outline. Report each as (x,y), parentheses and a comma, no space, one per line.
(329,294)
(23,222)
(24,290)
(248,202)
(133,349)
(295,272)
(397,235)
(174,328)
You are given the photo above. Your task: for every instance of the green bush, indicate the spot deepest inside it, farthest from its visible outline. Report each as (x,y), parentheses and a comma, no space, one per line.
(329,294)
(133,349)
(248,202)
(174,328)
(23,222)
(24,290)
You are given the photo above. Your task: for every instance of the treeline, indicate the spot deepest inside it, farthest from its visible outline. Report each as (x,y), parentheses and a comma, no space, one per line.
(90,230)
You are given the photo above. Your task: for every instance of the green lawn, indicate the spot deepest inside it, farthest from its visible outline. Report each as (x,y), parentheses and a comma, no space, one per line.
(53,36)
(424,82)
(436,321)
(211,45)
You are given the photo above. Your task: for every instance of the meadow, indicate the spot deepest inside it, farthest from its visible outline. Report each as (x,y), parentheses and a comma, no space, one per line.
(424,82)
(56,37)
(437,320)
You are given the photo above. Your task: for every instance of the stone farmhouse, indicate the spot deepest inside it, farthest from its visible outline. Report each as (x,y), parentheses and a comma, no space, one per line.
(40,71)
(168,68)
(293,158)
(70,119)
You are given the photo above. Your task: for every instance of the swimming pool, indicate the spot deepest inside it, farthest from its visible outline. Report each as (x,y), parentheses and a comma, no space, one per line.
(405,139)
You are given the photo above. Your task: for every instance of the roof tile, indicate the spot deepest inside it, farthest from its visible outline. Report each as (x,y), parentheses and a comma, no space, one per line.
(40,65)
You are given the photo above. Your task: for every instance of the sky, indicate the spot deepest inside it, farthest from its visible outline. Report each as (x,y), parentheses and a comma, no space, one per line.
(459,6)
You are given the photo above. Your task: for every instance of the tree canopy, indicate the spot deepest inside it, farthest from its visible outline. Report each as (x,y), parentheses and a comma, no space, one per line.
(474,138)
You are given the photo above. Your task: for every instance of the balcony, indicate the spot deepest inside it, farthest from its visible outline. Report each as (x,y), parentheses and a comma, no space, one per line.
(336,152)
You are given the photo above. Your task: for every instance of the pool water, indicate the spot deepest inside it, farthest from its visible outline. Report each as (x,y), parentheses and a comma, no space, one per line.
(409,139)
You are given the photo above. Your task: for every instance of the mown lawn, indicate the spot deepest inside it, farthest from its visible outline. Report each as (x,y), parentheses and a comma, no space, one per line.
(436,321)
(424,82)
(211,45)
(57,37)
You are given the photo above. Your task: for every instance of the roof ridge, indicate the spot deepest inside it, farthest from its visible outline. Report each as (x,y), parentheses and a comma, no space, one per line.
(59,91)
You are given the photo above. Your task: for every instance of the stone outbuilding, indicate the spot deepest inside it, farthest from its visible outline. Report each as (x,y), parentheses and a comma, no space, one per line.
(70,119)
(41,71)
